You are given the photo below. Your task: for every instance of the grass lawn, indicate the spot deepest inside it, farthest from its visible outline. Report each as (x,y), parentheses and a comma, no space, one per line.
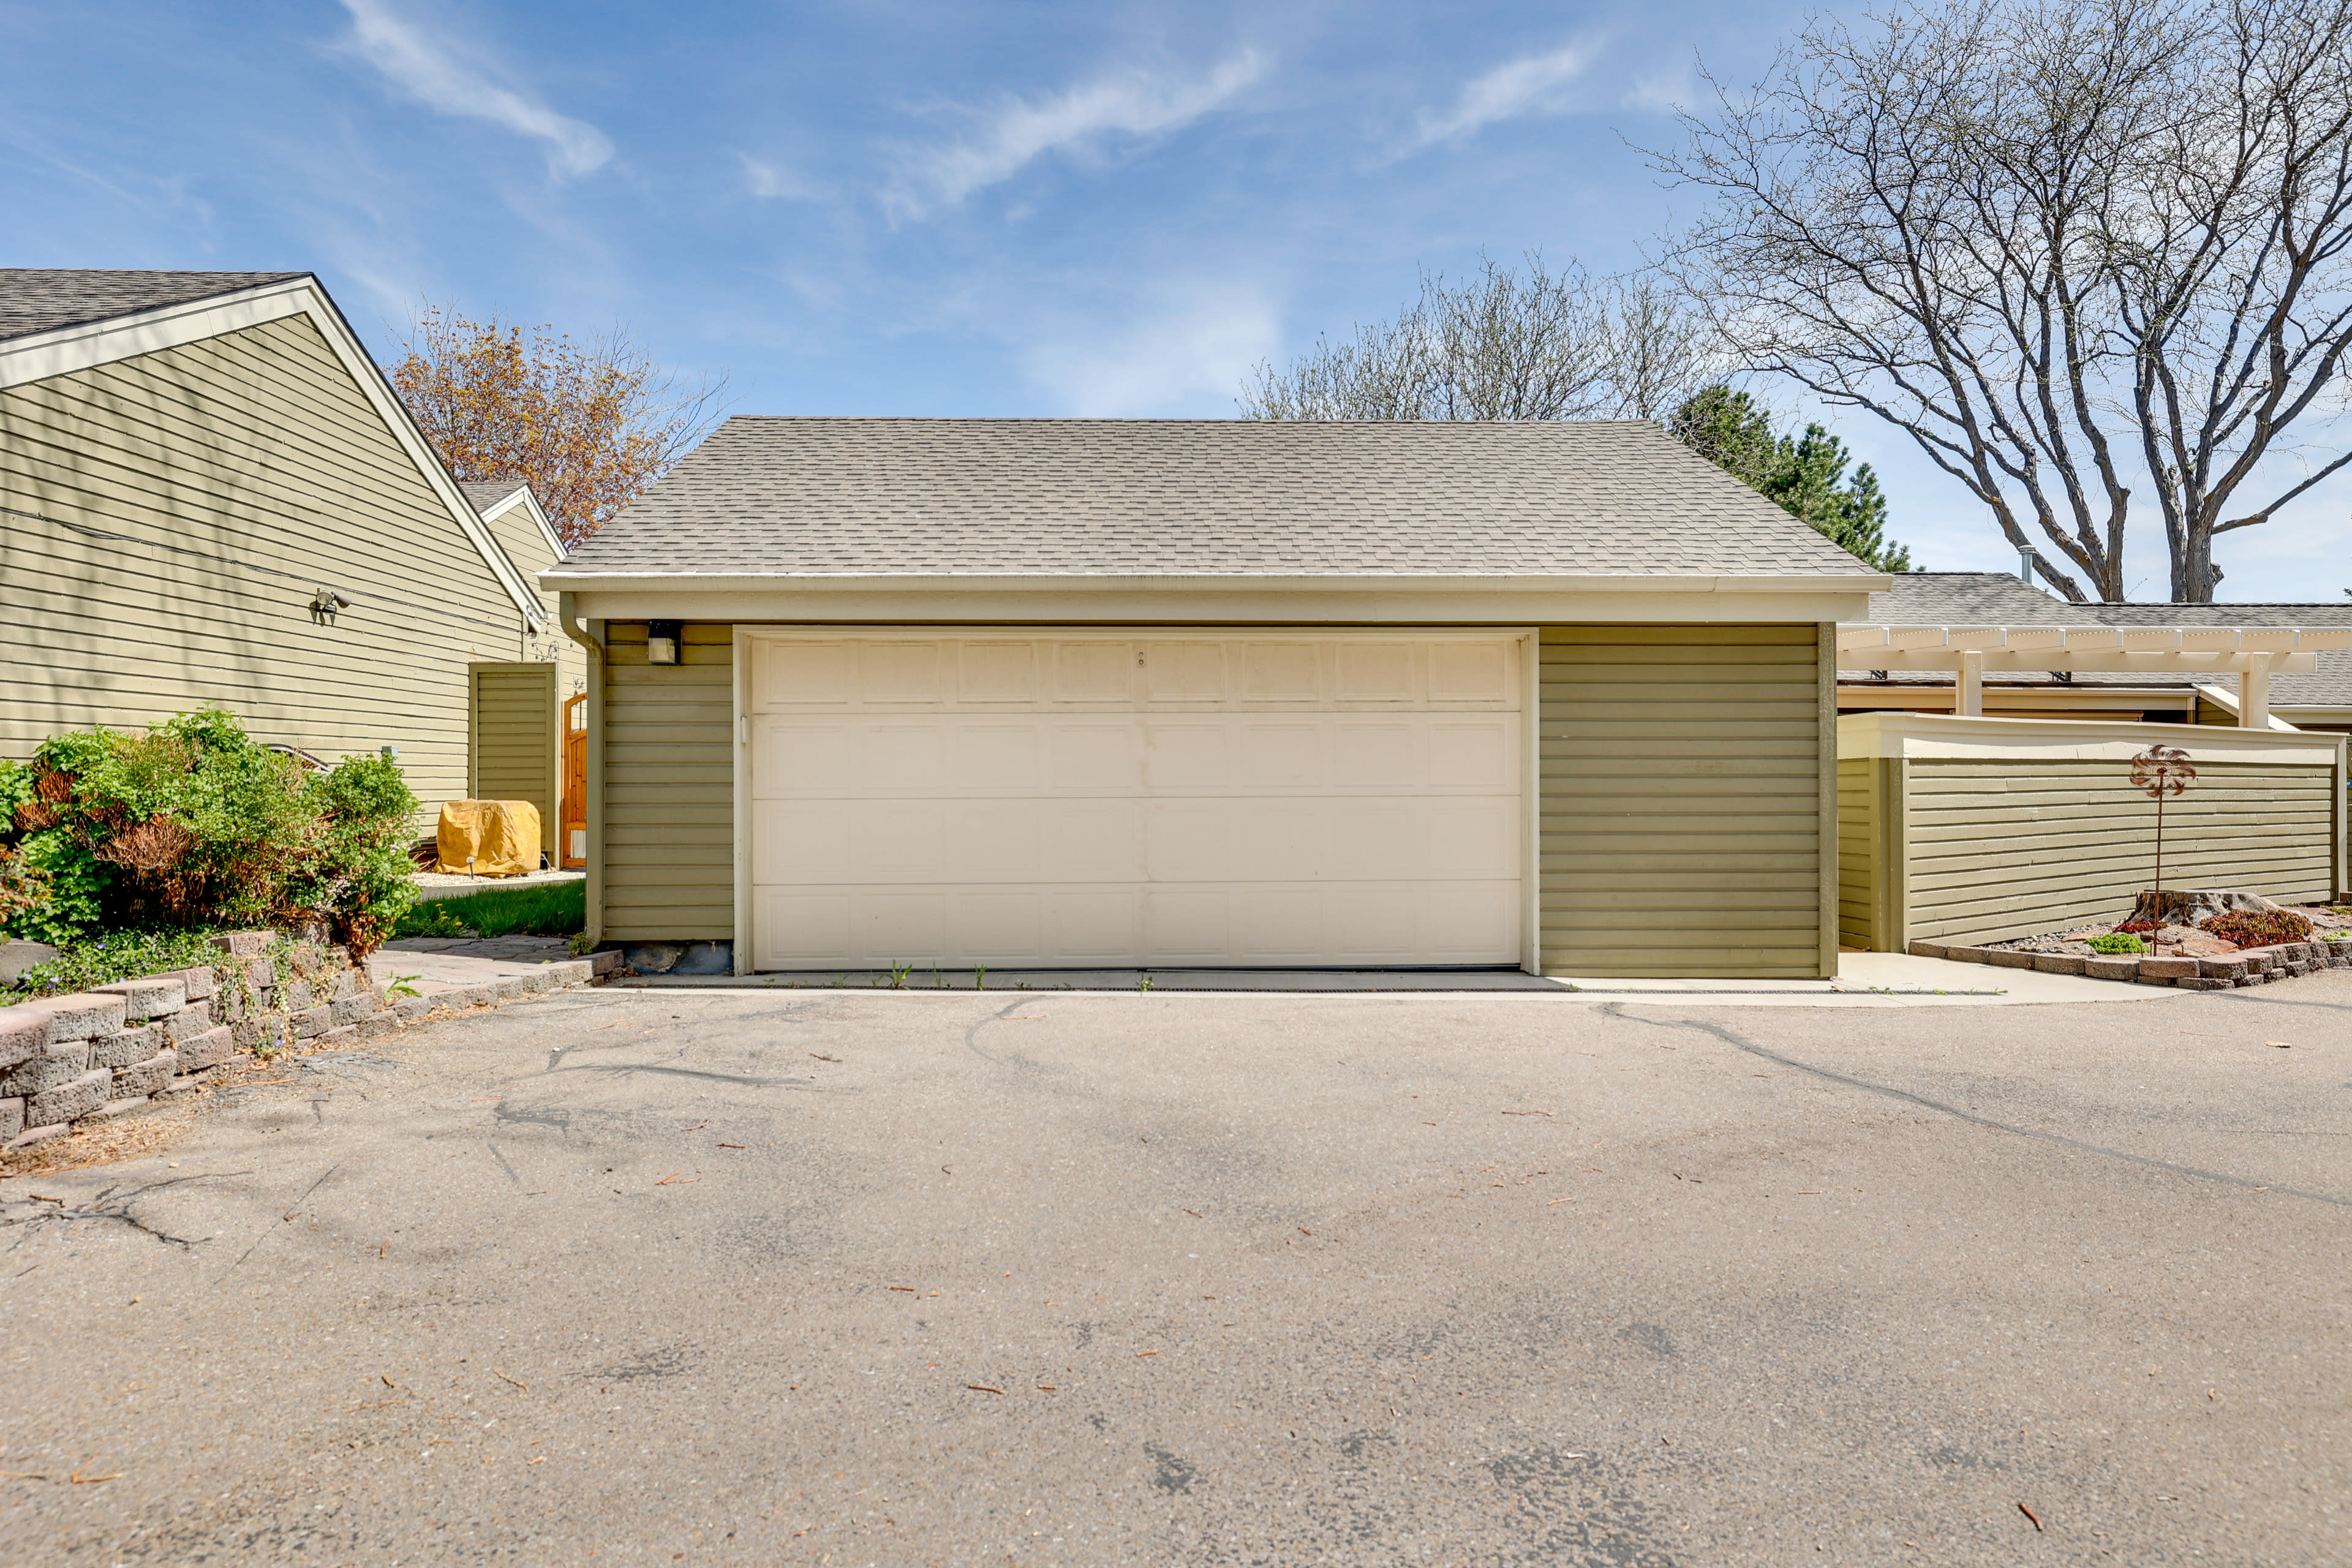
(550,909)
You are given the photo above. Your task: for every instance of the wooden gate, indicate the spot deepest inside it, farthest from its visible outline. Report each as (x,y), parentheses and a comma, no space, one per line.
(575,782)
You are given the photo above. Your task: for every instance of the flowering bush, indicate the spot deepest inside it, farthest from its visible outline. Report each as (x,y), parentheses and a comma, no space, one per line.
(195,826)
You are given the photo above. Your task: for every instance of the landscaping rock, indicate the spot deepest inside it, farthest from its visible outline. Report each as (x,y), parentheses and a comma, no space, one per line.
(147,1076)
(32,1135)
(2167,968)
(347,984)
(189,1022)
(208,1049)
(408,1009)
(243,944)
(1918,949)
(2058,964)
(149,998)
(376,1028)
(82,1016)
(198,980)
(2200,982)
(334,1038)
(313,1022)
(15,957)
(295,995)
(1957,954)
(12,1119)
(69,1101)
(23,1032)
(227,1007)
(352,1009)
(2103,968)
(121,1050)
(262,973)
(114,1109)
(2232,970)
(2006,958)
(58,1064)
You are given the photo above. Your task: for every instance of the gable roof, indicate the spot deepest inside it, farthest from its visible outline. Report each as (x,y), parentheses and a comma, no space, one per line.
(494,498)
(173,309)
(1150,498)
(1971,599)
(39,298)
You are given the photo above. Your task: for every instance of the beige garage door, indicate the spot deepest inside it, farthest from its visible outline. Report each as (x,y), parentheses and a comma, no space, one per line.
(1090,799)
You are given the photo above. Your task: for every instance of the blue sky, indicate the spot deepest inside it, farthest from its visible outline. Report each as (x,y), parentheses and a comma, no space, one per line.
(911,209)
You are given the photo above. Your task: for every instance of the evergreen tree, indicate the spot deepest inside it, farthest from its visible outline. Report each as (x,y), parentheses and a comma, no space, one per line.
(1803,475)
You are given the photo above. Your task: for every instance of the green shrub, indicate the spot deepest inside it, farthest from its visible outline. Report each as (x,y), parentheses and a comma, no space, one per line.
(101,960)
(195,826)
(544,908)
(2258,928)
(2117,941)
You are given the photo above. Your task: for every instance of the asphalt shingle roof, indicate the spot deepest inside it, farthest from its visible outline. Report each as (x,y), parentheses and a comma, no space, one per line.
(1997,599)
(1122,497)
(485,494)
(39,298)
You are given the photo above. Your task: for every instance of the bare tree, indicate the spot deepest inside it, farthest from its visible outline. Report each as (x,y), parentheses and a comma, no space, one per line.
(1545,345)
(2066,244)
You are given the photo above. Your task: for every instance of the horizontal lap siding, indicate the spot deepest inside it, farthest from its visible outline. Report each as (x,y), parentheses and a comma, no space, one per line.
(257,450)
(514,740)
(1681,800)
(668,848)
(2014,847)
(1857,838)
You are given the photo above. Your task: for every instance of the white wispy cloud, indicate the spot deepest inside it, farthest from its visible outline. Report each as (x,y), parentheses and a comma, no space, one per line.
(1532,84)
(1079,120)
(772,181)
(437,71)
(1186,350)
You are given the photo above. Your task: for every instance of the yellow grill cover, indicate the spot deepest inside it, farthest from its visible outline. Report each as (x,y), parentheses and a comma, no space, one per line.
(502,835)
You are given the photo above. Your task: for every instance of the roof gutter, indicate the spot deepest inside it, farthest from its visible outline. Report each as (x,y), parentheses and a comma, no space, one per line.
(573,579)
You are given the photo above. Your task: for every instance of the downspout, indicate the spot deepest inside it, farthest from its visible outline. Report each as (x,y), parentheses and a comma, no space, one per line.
(577,630)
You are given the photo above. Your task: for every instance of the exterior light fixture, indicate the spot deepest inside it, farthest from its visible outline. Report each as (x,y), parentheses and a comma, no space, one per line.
(325,602)
(662,638)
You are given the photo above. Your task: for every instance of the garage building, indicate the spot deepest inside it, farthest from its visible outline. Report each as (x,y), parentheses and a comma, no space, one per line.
(1217,694)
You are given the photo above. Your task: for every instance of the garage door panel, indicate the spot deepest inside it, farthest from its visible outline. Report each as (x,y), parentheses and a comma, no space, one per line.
(1181,755)
(1480,754)
(1093,841)
(1092,927)
(1275,754)
(1379,757)
(1189,927)
(1000,928)
(998,755)
(1084,755)
(996,672)
(1078,800)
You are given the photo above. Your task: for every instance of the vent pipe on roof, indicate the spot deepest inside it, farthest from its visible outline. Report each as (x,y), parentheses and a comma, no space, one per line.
(2025,567)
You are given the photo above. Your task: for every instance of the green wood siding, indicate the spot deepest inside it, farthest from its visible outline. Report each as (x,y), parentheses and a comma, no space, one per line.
(1682,774)
(528,548)
(514,721)
(1873,865)
(2011,847)
(667,845)
(242,473)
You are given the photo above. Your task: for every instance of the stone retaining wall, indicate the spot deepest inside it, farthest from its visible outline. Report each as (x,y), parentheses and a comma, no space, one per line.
(2249,966)
(92,1056)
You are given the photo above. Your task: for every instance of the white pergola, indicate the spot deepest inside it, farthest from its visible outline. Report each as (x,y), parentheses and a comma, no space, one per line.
(2253,654)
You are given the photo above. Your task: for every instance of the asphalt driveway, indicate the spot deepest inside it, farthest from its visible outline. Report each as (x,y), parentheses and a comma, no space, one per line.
(664,1276)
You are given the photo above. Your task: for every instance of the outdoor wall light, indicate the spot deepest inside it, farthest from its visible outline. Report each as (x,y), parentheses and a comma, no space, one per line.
(325,603)
(662,638)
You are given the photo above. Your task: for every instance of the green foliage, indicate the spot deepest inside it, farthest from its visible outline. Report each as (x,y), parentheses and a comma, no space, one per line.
(2258,928)
(195,826)
(2117,941)
(1805,475)
(101,960)
(543,909)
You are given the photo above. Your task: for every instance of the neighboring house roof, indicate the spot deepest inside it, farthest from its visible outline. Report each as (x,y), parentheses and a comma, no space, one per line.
(1999,599)
(1201,498)
(110,316)
(39,298)
(486,495)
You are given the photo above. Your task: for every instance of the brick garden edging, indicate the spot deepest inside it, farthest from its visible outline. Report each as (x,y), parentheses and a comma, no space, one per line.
(2249,966)
(90,1057)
